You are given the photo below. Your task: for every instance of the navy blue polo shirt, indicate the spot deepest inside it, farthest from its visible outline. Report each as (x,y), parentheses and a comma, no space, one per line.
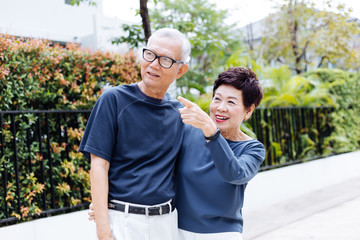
(140,136)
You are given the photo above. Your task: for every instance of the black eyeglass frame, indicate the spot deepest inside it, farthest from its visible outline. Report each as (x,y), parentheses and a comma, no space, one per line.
(157,56)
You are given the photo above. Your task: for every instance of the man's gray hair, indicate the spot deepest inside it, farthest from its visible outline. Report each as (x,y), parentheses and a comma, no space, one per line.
(175,35)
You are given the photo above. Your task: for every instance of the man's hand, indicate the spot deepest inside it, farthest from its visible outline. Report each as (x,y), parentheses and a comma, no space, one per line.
(193,115)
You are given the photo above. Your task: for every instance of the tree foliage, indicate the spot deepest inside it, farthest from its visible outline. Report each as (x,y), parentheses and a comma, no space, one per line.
(77,2)
(283,89)
(212,40)
(134,36)
(304,37)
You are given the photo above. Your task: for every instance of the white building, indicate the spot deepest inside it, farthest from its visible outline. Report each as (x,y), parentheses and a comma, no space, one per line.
(59,21)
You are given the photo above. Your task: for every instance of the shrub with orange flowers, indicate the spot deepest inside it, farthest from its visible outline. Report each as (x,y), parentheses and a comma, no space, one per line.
(37,75)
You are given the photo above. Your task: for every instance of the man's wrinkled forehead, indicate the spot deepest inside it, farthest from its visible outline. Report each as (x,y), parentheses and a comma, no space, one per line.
(165,46)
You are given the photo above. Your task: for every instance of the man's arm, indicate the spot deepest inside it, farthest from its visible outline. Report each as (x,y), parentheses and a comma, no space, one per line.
(99,193)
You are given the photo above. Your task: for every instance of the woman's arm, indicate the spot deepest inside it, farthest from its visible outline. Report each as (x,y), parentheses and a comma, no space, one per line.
(236,168)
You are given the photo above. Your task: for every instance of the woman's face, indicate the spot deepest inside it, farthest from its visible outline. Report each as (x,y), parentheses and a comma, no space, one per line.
(227,109)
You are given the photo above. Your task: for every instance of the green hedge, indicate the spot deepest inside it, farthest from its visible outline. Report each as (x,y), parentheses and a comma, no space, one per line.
(36,75)
(345,136)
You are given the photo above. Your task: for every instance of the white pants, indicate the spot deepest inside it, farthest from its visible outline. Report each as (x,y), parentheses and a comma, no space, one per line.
(186,235)
(128,226)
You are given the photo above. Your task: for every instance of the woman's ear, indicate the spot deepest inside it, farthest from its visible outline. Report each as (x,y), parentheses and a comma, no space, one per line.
(249,112)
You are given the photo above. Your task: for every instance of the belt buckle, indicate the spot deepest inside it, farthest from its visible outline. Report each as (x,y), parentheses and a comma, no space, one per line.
(157,208)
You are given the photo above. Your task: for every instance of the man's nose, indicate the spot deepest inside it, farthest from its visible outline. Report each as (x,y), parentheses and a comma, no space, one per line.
(155,63)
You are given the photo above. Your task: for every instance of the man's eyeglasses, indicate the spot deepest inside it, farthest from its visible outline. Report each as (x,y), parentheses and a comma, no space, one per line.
(165,62)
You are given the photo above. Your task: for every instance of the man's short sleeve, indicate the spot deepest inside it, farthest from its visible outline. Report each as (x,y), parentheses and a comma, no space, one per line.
(100,132)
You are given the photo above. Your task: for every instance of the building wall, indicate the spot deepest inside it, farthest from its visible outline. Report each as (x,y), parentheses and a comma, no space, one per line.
(50,19)
(60,22)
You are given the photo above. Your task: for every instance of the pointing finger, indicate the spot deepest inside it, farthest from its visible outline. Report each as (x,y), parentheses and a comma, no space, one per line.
(186,102)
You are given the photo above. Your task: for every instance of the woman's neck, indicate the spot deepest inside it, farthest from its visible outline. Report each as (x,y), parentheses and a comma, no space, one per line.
(235,135)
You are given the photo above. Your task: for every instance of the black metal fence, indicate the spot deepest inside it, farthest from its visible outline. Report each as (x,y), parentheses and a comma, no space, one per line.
(42,173)
(291,135)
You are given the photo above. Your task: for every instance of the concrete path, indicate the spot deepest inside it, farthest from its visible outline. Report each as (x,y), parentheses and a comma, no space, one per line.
(332,213)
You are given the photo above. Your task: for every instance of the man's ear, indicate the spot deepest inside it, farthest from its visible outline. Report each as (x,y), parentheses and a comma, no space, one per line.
(182,70)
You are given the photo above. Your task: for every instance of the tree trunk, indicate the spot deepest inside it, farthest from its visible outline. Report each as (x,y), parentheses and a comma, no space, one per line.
(145,19)
(293,29)
(250,36)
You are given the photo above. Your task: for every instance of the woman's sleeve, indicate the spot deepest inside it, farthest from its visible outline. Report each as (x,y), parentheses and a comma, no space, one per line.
(236,169)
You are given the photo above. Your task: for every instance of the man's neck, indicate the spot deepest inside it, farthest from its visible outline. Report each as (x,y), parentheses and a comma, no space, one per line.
(159,94)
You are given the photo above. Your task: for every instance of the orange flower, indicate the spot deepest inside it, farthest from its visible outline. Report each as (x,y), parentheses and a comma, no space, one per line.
(39,157)
(63,188)
(25,211)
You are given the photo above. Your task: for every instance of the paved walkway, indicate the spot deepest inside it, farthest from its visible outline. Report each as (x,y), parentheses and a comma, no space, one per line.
(332,213)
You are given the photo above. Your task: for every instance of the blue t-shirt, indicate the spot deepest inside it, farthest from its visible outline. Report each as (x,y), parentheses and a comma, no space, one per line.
(211,179)
(140,136)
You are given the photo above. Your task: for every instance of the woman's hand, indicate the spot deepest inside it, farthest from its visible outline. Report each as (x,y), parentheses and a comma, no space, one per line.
(193,115)
(91,212)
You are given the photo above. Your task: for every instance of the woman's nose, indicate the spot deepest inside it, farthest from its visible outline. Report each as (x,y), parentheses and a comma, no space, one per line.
(222,107)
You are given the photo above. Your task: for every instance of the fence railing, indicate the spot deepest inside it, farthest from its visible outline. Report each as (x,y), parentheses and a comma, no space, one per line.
(42,173)
(291,135)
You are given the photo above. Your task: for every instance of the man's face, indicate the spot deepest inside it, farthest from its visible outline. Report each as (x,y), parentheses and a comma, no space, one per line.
(156,78)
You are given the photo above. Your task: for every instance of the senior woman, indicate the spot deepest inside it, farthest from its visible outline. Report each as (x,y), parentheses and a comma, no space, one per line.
(217,159)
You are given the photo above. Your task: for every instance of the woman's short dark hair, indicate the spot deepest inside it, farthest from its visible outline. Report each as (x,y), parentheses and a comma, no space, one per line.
(243,79)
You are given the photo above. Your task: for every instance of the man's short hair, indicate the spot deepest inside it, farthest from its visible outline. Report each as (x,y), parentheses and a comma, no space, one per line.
(175,35)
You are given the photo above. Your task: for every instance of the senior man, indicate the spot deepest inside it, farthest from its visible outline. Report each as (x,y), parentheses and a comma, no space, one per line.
(132,138)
